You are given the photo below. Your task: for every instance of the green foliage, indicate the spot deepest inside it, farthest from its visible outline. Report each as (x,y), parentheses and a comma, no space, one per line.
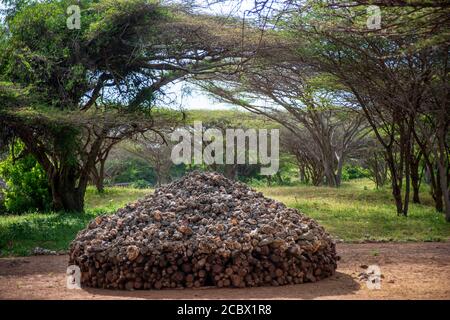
(39,51)
(132,170)
(27,187)
(231,119)
(140,184)
(350,172)
(112,14)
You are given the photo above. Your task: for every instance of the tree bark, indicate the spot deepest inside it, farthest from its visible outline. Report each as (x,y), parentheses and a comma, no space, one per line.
(66,195)
(437,193)
(442,168)
(340,166)
(98,176)
(416,188)
(396,188)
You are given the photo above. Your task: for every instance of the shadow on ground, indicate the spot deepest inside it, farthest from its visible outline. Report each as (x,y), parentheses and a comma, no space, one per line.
(340,284)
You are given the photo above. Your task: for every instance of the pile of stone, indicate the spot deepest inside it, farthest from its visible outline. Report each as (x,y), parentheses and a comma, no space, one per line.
(38,251)
(203,230)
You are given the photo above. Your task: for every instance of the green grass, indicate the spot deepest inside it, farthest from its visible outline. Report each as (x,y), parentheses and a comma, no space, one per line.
(54,231)
(113,198)
(354,212)
(358,212)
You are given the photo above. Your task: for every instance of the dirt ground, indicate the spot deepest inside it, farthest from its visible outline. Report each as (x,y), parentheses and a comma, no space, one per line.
(409,271)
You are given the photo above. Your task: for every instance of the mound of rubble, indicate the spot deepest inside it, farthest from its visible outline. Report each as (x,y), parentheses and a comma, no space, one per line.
(203,230)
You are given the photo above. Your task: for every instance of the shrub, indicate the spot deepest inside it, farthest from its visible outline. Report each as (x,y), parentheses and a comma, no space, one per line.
(140,184)
(354,172)
(27,188)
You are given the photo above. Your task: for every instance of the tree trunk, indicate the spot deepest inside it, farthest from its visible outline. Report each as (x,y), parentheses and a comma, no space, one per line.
(98,177)
(100,185)
(415,182)
(435,184)
(416,190)
(66,195)
(407,188)
(415,175)
(301,174)
(445,192)
(437,194)
(442,161)
(396,188)
(162,176)
(329,175)
(339,171)
(407,150)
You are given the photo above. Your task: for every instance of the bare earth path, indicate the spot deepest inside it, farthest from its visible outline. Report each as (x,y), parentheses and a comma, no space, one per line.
(410,271)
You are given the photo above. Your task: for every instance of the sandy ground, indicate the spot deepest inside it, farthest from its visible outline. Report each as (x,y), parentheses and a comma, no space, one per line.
(409,271)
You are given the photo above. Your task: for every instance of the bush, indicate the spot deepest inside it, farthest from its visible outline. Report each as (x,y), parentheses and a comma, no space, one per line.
(351,172)
(27,187)
(132,170)
(140,184)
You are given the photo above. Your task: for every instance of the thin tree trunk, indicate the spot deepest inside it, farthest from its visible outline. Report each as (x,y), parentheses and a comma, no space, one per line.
(442,170)
(437,194)
(396,188)
(340,165)
(407,150)
(416,189)
(415,180)
(407,187)
(98,176)
(415,175)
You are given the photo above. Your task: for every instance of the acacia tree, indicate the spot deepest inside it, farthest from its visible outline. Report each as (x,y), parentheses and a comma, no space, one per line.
(125,53)
(398,74)
(115,127)
(155,149)
(335,130)
(395,75)
(307,158)
(373,158)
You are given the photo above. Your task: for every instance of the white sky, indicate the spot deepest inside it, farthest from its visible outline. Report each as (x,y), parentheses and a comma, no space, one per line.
(197,99)
(177,97)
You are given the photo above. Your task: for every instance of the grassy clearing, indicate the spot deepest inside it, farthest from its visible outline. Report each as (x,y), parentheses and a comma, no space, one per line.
(112,199)
(359,212)
(54,231)
(354,212)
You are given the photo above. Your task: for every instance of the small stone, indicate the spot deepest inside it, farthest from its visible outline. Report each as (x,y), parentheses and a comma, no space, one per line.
(185,230)
(177,235)
(132,252)
(157,215)
(267,229)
